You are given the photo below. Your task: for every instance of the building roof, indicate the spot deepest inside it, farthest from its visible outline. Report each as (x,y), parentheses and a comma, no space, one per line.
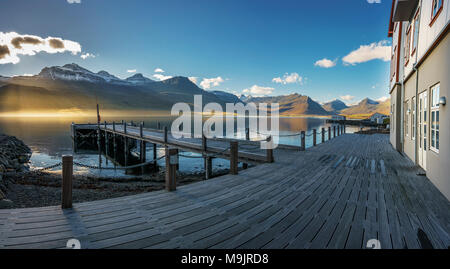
(391,22)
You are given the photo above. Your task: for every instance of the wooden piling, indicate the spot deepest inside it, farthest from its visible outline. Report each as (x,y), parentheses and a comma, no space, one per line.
(329,132)
(106,144)
(234,157)
(158,125)
(303,140)
(165,134)
(208,167)
(171,168)
(247,137)
(334,131)
(204,143)
(126,142)
(323,135)
(269,150)
(314,137)
(67,177)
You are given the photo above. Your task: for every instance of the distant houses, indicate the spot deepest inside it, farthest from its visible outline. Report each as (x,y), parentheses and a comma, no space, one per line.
(419,85)
(378,118)
(338,117)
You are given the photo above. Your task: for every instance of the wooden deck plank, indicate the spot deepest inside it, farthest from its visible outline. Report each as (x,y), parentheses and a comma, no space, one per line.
(339,194)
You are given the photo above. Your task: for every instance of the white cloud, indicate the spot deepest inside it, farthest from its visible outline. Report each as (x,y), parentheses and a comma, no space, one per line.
(74,1)
(12,45)
(325,63)
(347,98)
(161,77)
(374,1)
(131,71)
(288,79)
(84,56)
(193,79)
(256,90)
(207,83)
(383,99)
(159,70)
(365,53)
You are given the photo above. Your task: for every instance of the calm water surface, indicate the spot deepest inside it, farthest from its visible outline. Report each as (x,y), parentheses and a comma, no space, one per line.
(49,138)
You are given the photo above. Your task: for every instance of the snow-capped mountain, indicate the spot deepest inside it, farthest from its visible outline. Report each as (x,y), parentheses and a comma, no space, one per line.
(72,72)
(75,72)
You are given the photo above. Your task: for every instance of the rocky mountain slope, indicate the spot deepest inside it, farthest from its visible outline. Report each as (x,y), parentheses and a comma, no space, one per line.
(74,88)
(293,104)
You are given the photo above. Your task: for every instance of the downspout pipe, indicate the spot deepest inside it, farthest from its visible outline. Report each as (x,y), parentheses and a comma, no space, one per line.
(416,135)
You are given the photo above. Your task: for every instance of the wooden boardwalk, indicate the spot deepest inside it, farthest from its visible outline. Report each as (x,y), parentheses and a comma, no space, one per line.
(339,194)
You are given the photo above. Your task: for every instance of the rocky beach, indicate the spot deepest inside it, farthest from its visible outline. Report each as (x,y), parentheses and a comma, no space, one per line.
(22,188)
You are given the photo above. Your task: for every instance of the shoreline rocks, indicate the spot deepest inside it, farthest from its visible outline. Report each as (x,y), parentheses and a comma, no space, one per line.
(14,154)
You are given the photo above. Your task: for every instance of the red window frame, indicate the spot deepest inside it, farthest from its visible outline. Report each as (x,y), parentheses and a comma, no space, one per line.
(433,19)
(408,45)
(415,25)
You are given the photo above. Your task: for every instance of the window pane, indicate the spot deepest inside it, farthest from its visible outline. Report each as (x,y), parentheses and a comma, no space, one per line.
(432,138)
(433,113)
(437,120)
(437,140)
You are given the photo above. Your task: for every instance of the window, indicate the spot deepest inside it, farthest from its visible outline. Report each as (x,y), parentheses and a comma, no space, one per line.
(435,118)
(407,111)
(413,119)
(407,45)
(436,9)
(416,32)
(393,62)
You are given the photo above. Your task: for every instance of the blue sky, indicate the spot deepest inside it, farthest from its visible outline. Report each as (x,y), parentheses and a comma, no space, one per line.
(251,46)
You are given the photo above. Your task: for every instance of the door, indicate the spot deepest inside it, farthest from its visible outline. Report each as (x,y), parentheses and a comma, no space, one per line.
(423,130)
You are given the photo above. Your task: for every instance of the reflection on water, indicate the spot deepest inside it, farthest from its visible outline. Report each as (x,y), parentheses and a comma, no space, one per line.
(49,138)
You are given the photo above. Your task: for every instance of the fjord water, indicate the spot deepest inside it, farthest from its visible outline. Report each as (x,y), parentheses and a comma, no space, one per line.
(50,138)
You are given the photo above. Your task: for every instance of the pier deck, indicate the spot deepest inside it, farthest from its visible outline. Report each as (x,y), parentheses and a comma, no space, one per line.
(339,194)
(249,151)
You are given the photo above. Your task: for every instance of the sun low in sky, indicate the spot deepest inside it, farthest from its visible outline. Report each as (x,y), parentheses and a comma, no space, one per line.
(324,49)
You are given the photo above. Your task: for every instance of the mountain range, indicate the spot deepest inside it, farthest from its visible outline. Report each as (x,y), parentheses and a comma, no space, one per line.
(72,88)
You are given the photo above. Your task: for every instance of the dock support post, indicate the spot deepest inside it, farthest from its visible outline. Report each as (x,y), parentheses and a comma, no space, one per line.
(155,153)
(158,125)
(67,176)
(208,167)
(303,142)
(165,134)
(114,142)
(106,143)
(323,135)
(269,150)
(334,131)
(204,144)
(171,168)
(247,137)
(143,147)
(314,137)
(234,158)
(329,133)
(206,159)
(345,129)
(99,143)
(126,147)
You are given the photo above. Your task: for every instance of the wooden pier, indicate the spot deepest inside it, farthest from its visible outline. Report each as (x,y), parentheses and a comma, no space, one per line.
(339,194)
